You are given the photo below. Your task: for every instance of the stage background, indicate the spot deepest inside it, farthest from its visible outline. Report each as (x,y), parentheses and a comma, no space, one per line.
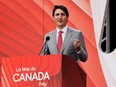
(23,24)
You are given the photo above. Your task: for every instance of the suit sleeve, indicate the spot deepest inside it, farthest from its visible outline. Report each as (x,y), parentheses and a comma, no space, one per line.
(82,53)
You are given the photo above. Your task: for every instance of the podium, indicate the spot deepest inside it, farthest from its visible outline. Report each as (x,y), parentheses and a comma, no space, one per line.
(41,71)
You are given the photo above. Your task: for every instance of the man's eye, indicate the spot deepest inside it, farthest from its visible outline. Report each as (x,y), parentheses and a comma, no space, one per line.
(63,14)
(57,14)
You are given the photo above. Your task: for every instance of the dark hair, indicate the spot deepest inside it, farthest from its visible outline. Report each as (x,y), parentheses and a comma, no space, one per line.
(60,7)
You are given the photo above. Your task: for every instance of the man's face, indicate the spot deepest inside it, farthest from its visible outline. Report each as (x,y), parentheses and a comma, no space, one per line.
(60,18)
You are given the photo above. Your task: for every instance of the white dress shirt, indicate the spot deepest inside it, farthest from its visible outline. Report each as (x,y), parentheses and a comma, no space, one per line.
(63,34)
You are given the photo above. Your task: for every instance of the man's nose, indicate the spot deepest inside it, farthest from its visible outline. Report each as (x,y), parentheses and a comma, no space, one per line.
(60,16)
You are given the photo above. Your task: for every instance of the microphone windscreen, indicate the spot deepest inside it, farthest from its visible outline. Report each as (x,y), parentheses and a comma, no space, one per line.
(47,38)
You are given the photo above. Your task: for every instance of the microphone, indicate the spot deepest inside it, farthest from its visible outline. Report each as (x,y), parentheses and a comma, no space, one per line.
(44,46)
(47,38)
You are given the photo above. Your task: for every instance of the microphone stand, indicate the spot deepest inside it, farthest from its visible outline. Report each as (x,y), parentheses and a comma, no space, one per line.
(44,46)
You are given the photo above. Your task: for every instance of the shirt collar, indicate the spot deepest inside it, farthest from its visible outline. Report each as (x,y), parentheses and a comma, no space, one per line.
(64,29)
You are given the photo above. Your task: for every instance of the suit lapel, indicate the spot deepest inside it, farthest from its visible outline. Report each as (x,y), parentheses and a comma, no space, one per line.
(67,38)
(54,42)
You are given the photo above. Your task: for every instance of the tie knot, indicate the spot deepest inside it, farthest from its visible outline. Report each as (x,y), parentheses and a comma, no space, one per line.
(60,32)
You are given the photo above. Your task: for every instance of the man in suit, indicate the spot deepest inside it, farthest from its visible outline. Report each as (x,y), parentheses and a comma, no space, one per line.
(71,40)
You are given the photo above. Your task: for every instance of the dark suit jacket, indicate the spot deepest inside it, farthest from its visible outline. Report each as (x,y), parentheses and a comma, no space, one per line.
(67,48)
